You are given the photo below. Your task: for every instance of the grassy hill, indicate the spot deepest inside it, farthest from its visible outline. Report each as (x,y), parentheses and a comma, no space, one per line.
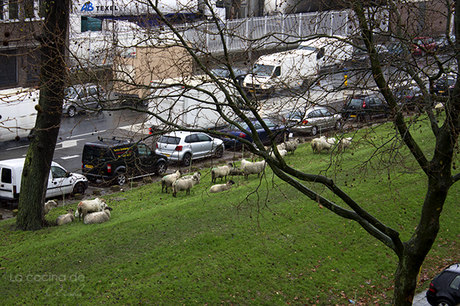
(261,243)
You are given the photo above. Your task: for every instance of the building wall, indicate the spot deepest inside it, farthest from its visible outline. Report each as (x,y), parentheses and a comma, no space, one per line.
(149,64)
(19,49)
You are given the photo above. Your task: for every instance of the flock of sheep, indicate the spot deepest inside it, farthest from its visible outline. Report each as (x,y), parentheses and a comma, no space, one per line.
(97,211)
(92,211)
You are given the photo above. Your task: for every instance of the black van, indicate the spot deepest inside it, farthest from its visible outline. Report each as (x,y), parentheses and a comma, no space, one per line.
(120,159)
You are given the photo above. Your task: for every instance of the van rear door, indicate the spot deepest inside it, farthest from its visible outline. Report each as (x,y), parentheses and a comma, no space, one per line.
(7,191)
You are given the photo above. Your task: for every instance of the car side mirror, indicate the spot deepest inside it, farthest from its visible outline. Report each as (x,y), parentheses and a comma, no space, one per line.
(68,174)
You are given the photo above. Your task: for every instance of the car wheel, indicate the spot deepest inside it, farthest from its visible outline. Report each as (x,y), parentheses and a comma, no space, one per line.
(72,111)
(443,303)
(219,151)
(338,125)
(161,168)
(187,159)
(79,188)
(121,178)
(314,131)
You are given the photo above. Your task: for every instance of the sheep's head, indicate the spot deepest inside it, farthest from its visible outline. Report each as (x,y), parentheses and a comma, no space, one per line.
(108,208)
(70,211)
(230,182)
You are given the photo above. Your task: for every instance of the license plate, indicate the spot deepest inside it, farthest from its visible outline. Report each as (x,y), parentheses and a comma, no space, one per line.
(352,116)
(89,166)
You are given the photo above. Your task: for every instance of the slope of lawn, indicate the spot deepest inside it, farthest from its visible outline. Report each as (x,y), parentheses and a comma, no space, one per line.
(261,243)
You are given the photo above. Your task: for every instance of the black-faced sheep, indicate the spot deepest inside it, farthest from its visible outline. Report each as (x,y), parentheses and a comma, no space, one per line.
(168,180)
(50,205)
(221,172)
(98,217)
(88,206)
(184,184)
(67,218)
(221,187)
(248,167)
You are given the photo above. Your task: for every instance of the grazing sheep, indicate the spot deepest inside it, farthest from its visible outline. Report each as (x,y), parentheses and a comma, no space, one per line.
(67,218)
(248,167)
(235,171)
(344,143)
(291,146)
(221,187)
(281,152)
(321,143)
(88,206)
(221,172)
(191,176)
(50,205)
(439,107)
(184,184)
(98,217)
(168,180)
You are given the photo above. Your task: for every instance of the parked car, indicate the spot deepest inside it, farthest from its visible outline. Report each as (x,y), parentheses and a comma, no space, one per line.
(423,44)
(224,72)
(363,108)
(444,86)
(83,97)
(445,287)
(119,159)
(312,120)
(442,44)
(409,98)
(182,146)
(60,181)
(279,132)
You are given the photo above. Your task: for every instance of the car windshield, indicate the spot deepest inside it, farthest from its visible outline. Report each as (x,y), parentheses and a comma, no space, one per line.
(307,48)
(263,70)
(355,103)
(169,139)
(220,72)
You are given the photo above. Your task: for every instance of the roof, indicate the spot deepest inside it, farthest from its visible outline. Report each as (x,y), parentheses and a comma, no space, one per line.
(15,162)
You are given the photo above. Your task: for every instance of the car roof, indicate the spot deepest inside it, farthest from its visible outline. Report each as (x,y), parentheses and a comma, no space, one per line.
(19,162)
(110,142)
(182,133)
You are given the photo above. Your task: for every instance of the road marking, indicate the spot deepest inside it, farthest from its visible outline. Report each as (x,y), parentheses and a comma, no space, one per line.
(69,157)
(69,143)
(85,134)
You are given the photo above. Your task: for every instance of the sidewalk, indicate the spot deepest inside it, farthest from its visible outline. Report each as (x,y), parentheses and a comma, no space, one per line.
(420,299)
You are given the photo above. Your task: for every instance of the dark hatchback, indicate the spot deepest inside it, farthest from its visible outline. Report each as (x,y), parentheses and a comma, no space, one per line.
(117,160)
(278,132)
(364,108)
(445,85)
(445,287)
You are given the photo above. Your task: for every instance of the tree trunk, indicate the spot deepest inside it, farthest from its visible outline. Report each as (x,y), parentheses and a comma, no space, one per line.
(43,139)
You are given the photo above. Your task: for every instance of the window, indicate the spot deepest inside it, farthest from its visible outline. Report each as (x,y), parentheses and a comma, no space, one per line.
(278,71)
(29,8)
(6,176)
(8,68)
(32,66)
(203,137)
(58,172)
(90,24)
(13,10)
(143,150)
(455,283)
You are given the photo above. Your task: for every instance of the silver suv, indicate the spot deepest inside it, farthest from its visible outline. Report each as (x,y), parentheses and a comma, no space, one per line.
(184,146)
(83,97)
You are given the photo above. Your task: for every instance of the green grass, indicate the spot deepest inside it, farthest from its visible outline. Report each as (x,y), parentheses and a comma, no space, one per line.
(262,243)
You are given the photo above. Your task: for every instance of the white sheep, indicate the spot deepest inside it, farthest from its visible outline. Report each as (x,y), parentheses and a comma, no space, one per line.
(67,218)
(184,184)
(344,143)
(281,152)
(292,145)
(98,217)
(50,205)
(168,180)
(321,143)
(221,187)
(248,167)
(439,107)
(191,176)
(221,172)
(88,206)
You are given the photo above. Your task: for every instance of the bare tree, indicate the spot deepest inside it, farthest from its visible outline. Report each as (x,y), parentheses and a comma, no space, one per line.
(43,139)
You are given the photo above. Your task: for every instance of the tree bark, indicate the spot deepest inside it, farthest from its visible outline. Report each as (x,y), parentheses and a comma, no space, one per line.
(44,136)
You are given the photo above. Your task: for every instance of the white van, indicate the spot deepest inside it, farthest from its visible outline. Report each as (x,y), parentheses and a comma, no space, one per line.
(17,112)
(60,182)
(291,69)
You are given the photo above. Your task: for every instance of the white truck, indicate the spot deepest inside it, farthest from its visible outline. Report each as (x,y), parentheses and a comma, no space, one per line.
(291,69)
(17,112)
(192,104)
